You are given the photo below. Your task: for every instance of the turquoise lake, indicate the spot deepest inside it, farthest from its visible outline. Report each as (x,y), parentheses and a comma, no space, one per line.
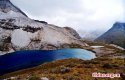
(26,59)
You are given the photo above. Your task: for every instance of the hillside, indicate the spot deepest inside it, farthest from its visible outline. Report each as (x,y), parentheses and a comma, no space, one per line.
(116,35)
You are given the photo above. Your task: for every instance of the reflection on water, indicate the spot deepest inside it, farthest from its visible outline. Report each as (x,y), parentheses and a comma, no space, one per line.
(25,59)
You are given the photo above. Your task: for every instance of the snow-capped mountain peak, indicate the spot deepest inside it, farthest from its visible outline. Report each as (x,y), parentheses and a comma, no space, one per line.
(19,32)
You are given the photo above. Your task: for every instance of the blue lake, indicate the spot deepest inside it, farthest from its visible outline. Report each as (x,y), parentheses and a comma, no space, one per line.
(26,59)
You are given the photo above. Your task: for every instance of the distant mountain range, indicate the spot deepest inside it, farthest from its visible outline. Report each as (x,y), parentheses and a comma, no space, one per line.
(116,35)
(90,35)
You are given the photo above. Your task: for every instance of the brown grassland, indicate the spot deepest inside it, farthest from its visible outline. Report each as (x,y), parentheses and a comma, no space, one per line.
(71,69)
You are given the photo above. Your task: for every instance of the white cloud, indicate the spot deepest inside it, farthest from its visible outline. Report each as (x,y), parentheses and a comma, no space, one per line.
(80,14)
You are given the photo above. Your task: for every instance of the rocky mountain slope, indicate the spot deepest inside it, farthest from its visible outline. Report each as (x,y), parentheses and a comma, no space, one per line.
(19,32)
(116,35)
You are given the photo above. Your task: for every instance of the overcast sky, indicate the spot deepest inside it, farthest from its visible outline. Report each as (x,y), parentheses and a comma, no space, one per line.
(81,15)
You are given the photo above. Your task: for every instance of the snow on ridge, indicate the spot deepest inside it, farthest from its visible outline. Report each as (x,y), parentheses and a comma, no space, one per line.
(24,22)
(10,14)
(21,20)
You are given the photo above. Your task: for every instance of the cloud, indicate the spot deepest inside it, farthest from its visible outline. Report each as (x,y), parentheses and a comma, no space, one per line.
(81,15)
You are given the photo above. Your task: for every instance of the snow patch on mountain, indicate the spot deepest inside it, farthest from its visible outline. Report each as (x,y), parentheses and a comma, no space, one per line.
(20,38)
(10,14)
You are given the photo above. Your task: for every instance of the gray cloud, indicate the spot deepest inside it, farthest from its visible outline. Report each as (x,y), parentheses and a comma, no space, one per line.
(47,7)
(82,15)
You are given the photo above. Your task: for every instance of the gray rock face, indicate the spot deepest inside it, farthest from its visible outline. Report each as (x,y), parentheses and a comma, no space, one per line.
(73,32)
(116,35)
(18,32)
